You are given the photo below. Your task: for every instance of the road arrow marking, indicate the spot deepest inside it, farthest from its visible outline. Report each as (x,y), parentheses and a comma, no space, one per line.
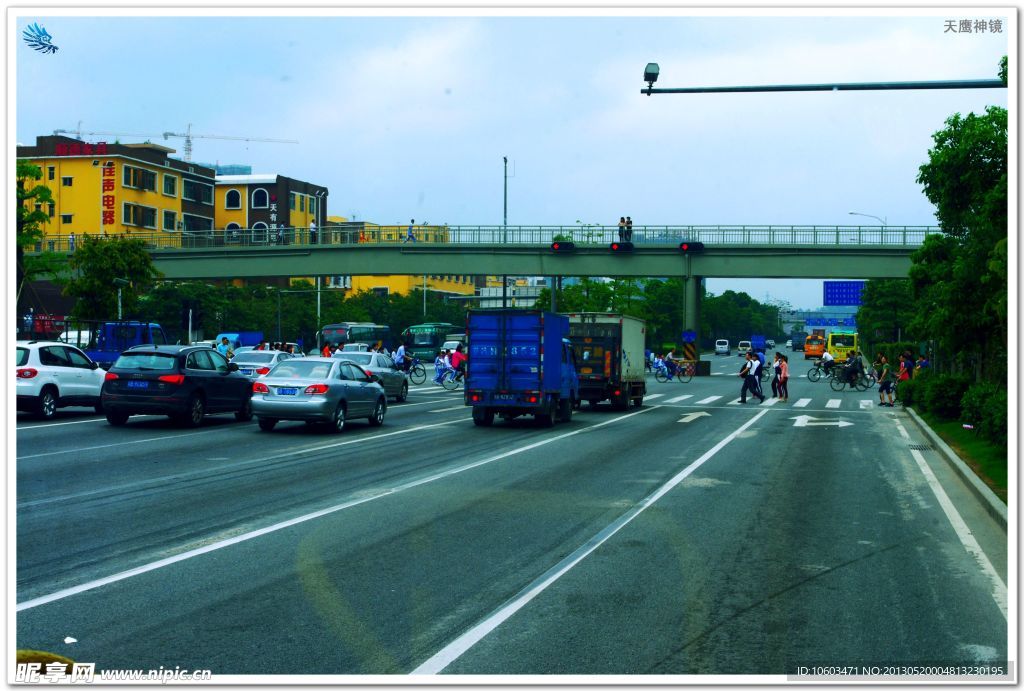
(690,417)
(808,421)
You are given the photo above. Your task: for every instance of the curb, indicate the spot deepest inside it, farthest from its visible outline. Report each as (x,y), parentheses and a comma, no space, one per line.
(993,504)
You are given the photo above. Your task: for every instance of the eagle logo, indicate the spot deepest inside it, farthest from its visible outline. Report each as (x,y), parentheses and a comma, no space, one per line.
(38,39)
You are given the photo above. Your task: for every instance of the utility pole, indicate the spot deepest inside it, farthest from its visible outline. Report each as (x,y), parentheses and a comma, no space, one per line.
(504,237)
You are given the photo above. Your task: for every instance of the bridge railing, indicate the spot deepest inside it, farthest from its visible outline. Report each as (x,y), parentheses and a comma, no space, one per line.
(519,235)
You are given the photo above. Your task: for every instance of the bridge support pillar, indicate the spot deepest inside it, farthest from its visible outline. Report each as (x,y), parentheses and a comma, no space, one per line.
(691,303)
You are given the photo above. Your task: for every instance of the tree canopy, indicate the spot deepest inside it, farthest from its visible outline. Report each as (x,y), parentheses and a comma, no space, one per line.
(93,267)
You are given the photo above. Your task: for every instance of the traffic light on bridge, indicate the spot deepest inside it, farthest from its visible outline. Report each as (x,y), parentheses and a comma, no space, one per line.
(621,247)
(687,247)
(563,246)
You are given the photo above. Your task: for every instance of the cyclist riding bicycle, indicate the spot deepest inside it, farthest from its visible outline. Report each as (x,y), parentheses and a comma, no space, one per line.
(402,361)
(458,359)
(827,361)
(672,363)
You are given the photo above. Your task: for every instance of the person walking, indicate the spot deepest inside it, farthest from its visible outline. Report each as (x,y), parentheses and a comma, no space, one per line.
(224,346)
(71,243)
(784,379)
(312,232)
(776,375)
(751,381)
(629,229)
(884,382)
(408,233)
(622,228)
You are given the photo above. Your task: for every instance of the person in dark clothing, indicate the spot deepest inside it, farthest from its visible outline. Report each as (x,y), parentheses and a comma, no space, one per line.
(751,380)
(629,229)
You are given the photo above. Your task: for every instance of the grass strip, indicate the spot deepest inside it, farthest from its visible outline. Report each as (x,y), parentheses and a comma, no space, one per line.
(987,460)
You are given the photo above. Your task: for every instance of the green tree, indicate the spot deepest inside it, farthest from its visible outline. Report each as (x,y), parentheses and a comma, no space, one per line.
(886,311)
(94,266)
(959,279)
(29,231)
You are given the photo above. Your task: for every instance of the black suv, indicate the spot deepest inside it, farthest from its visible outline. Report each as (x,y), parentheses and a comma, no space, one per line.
(184,382)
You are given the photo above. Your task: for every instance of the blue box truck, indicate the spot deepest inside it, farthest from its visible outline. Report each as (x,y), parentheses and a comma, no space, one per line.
(520,363)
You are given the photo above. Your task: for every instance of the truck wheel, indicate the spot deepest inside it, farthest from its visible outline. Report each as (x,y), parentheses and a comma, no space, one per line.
(565,410)
(638,402)
(266,423)
(483,417)
(116,418)
(546,418)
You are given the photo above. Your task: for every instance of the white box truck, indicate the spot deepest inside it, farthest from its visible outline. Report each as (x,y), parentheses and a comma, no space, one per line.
(609,357)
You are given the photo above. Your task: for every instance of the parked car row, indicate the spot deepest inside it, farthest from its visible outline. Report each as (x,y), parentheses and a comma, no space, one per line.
(187,383)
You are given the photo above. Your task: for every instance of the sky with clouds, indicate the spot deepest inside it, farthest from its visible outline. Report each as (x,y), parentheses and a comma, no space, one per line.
(409,116)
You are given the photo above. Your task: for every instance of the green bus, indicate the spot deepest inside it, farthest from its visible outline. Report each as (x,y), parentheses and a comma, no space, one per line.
(424,340)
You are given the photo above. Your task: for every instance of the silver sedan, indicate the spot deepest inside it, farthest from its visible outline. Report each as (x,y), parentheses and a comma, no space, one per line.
(394,380)
(256,363)
(318,389)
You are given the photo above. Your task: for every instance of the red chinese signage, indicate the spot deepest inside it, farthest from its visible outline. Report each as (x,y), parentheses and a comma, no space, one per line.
(81,149)
(108,200)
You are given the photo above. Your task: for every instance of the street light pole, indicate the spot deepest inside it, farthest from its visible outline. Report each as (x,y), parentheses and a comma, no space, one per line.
(120,283)
(883,221)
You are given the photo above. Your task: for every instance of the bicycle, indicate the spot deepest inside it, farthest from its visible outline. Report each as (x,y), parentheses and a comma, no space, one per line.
(815,373)
(682,374)
(451,379)
(417,373)
(839,382)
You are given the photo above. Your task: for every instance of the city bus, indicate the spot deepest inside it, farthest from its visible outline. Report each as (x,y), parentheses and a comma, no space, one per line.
(840,343)
(814,346)
(353,332)
(424,340)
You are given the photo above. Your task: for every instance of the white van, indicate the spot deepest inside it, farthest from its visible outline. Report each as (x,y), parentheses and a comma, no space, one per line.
(743,347)
(722,347)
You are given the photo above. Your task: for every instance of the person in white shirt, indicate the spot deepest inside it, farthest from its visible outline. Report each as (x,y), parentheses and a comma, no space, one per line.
(827,361)
(751,379)
(400,359)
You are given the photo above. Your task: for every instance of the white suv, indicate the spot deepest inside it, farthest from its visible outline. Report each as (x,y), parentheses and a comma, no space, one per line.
(722,347)
(52,374)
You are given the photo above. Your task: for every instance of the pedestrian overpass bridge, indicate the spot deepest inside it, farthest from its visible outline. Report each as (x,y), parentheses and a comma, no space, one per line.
(839,252)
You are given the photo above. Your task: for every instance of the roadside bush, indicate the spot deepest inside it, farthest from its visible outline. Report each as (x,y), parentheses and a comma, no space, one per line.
(984,407)
(941,394)
(910,392)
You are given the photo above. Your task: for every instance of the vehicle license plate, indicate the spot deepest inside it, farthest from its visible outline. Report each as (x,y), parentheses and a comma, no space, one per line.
(138,384)
(246,372)
(287,392)
(504,397)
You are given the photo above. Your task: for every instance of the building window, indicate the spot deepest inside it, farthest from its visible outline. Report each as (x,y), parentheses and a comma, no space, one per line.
(50,172)
(65,218)
(65,181)
(302,202)
(381,292)
(139,178)
(170,219)
(260,200)
(194,191)
(196,223)
(170,185)
(52,209)
(291,201)
(136,215)
(233,200)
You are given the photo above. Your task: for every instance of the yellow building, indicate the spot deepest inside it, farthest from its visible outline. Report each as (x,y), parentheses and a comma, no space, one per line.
(119,189)
(384,284)
(252,207)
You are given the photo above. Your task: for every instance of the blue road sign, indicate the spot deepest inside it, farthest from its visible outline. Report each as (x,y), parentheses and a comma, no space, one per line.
(689,336)
(843,293)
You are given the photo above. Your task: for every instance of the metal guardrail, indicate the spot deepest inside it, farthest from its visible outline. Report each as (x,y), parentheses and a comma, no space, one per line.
(525,236)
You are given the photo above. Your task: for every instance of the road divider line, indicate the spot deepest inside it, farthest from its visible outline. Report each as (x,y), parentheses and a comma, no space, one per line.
(445,410)
(80,449)
(152,566)
(652,396)
(457,648)
(967,539)
(73,422)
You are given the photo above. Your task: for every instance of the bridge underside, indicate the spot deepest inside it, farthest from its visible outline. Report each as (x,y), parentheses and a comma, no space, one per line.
(856,262)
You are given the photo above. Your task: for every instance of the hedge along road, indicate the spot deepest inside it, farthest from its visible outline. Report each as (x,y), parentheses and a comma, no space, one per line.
(783,530)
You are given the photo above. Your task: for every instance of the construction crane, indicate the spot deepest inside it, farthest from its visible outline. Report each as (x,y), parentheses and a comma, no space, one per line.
(78,133)
(188,136)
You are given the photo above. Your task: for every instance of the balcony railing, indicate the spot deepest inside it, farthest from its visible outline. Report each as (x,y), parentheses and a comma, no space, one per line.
(522,236)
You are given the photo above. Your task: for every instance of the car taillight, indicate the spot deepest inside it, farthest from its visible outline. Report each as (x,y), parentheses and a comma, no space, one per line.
(110,376)
(262,370)
(316,389)
(172,378)
(27,373)
(531,399)
(260,387)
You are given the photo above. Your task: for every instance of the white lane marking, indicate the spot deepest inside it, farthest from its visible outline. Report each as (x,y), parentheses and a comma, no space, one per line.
(690,417)
(79,449)
(802,403)
(903,432)
(145,568)
(463,643)
(709,399)
(717,374)
(734,402)
(679,398)
(770,401)
(166,479)
(75,422)
(445,410)
(867,404)
(651,397)
(834,403)
(967,538)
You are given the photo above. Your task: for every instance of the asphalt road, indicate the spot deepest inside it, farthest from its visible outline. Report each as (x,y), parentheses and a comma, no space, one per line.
(691,536)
